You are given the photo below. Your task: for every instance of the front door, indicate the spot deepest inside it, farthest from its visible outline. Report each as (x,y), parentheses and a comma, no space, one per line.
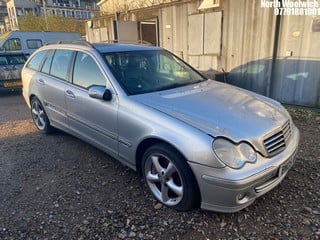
(91,118)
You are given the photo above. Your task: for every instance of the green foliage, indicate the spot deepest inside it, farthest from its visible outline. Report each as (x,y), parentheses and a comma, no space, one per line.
(52,23)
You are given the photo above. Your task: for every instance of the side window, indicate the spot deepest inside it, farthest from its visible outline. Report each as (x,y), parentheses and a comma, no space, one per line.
(36,60)
(60,63)
(13,44)
(47,63)
(34,43)
(86,72)
(16,59)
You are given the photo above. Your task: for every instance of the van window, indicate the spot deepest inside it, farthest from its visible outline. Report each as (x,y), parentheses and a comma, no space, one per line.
(60,63)
(36,60)
(3,61)
(12,44)
(34,43)
(16,59)
(86,72)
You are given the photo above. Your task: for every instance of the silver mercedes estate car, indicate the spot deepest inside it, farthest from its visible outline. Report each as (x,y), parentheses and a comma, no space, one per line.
(195,141)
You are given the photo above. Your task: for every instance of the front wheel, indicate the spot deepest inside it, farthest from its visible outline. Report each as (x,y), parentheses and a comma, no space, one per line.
(39,116)
(170,178)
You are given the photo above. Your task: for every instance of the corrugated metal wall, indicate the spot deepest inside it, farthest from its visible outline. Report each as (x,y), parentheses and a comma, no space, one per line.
(248,44)
(192,35)
(248,37)
(297,72)
(239,36)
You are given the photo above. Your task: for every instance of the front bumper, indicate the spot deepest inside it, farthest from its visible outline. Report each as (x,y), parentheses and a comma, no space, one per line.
(230,190)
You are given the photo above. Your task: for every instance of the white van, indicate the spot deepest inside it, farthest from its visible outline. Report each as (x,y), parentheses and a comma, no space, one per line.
(28,42)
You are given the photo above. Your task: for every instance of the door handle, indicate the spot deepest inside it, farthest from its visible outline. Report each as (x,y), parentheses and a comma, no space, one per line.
(70,94)
(41,81)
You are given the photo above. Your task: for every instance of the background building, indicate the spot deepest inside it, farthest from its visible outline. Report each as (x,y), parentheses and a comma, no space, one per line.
(20,8)
(78,9)
(277,56)
(3,16)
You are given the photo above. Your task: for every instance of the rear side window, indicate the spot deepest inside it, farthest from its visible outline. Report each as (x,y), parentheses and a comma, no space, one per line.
(60,63)
(86,72)
(36,60)
(34,43)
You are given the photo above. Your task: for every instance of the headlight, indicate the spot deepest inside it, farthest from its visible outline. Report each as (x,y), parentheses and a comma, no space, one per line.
(235,156)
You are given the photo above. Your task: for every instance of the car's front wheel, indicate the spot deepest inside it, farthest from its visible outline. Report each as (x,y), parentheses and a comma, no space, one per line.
(170,178)
(39,116)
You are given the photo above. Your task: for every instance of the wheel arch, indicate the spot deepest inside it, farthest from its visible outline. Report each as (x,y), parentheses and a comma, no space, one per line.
(31,97)
(148,142)
(142,147)
(145,144)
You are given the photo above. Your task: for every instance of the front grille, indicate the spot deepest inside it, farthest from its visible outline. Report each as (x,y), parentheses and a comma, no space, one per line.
(278,141)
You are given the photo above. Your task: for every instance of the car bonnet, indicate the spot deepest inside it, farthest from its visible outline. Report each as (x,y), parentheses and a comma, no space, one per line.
(219,110)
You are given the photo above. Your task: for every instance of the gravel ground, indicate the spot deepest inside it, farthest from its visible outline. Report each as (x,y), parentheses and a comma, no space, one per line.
(58,187)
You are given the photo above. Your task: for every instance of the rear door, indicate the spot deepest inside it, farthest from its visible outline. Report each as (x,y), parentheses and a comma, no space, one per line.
(56,77)
(50,81)
(90,118)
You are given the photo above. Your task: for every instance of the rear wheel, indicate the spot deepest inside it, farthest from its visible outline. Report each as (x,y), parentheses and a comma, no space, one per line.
(170,178)
(39,116)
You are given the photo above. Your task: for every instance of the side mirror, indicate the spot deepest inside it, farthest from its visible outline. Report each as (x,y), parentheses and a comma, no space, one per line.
(100,92)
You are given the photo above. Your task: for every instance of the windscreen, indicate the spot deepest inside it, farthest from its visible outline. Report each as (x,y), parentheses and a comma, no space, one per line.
(149,71)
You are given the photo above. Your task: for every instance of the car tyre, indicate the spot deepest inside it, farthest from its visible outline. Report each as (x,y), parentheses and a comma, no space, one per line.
(39,116)
(170,178)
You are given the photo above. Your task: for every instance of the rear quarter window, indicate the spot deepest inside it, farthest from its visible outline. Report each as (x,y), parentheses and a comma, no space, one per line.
(36,60)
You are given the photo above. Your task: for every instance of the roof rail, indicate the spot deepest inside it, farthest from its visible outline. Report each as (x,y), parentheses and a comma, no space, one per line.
(78,41)
(127,42)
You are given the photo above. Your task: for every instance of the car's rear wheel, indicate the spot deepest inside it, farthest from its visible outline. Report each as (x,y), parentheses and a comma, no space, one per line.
(39,116)
(170,178)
